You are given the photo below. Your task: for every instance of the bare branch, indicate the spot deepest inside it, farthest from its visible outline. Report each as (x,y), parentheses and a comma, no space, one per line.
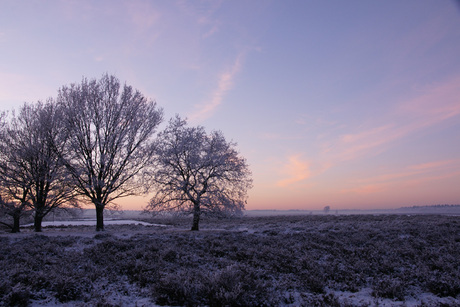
(111,128)
(198,171)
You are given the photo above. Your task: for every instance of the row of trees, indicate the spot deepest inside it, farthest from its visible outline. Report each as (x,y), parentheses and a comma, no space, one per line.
(96,142)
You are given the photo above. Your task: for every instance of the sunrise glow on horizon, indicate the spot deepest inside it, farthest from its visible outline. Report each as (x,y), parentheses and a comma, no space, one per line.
(347,104)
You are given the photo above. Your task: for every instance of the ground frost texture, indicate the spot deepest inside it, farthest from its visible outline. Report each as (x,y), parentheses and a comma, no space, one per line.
(360,260)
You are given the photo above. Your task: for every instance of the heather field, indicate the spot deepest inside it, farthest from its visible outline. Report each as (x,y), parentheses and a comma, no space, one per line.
(310,260)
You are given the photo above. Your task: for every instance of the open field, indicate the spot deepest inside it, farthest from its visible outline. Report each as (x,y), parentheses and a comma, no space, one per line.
(354,260)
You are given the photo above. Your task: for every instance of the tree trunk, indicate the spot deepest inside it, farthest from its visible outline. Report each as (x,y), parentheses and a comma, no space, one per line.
(99,218)
(38,222)
(16,219)
(196,217)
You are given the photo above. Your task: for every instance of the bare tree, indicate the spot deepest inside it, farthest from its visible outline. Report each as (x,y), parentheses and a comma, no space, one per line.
(111,130)
(31,171)
(14,185)
(14,209)
(198,173)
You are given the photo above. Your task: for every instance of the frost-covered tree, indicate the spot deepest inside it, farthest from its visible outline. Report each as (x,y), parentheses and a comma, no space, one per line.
(14,186)
(198,173)
(32,174)
(112,129)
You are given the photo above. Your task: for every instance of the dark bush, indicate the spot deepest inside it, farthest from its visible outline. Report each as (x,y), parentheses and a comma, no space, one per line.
(444,285)
(185,287)
(18,296)
(69,288)
(389,288)
(240,285)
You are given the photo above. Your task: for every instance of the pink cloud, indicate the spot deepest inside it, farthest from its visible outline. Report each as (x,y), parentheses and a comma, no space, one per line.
(142,14)
(435,165)
(366,135)
(412,175)
(295,170)
(279,136)
(224,84)
(434,105)
(203,15)
(371,141)
(367,189)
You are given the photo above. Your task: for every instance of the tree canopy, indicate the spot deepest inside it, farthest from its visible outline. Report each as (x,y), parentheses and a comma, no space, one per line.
(198,173)
(97,142)
(32,173)
(112,132)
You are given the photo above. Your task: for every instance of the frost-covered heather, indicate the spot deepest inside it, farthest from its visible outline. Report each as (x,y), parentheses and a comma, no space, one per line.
(267,261)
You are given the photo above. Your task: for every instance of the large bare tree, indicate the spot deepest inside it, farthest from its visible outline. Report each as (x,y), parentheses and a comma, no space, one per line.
(14,184)
(32,174)
(198,173)
(112,129)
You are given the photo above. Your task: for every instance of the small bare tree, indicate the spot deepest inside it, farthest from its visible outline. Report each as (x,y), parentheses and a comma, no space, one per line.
(31,171)
(198,173)
(12,210)
(112,129)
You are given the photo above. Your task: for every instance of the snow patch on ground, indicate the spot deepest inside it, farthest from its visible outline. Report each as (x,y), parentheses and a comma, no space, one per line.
(121,294)
(88,222)
(364,297)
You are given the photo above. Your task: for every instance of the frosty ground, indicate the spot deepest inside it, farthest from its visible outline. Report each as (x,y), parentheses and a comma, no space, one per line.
(355,260)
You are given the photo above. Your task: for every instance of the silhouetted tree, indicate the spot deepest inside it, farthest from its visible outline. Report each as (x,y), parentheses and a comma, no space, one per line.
(14,188)
(198,173)
(11,208)
(31,171)
(112,129)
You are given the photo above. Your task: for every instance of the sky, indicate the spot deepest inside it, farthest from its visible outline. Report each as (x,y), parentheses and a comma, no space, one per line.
(348,104)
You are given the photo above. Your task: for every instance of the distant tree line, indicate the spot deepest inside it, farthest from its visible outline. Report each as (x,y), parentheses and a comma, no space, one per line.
(433,206)
(97,142)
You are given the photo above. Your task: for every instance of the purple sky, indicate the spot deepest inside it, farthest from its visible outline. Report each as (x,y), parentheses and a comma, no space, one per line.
(351,104)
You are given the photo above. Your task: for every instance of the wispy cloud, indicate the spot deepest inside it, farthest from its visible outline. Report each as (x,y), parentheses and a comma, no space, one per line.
(411,175)
(211,31)
(142,14)
(361,143)
(278,136)
(432,106)
(366,189)
(224,84)
(435,165)
(435,104)
(203,14)
(296,169)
